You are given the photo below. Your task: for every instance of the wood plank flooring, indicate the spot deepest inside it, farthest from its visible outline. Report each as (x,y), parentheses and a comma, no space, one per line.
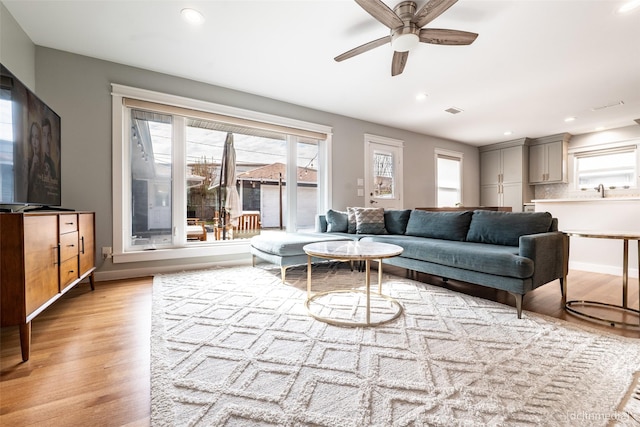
(90,351)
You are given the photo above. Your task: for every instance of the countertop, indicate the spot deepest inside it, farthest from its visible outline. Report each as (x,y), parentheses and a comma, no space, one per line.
(588,199)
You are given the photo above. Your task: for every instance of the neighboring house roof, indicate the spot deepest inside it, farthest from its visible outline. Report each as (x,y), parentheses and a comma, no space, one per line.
(271,173)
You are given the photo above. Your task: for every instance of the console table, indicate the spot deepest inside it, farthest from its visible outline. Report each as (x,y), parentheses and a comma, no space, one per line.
(570,306)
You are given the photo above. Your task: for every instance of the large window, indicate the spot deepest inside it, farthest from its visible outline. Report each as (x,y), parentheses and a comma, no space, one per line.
(173,165)
(448,178)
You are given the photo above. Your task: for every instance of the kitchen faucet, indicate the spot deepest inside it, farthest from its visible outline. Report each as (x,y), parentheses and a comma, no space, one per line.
(600,189)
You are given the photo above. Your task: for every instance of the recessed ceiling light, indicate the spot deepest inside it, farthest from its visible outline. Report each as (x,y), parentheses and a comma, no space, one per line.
(508,132)
(192,16)
(569,119)
(629,6)
(599,128)
(421,96)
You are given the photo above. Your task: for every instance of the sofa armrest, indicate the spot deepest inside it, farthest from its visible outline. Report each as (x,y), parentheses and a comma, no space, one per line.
(321,223)
(550,254)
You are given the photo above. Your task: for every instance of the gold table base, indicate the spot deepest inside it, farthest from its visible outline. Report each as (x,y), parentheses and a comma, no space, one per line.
(353,255)
(349,323)
(625,237)
(569,306)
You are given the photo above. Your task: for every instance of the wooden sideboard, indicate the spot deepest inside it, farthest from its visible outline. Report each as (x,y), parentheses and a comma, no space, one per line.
(42,256)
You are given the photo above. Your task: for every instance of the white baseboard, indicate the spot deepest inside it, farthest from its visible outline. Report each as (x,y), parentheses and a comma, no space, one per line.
(601,268)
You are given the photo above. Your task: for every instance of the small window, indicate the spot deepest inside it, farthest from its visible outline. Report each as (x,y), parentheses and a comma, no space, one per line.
(448,178)
(613,168)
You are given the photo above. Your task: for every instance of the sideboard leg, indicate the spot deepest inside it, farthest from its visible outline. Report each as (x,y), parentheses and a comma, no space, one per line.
(25,340)
(92,282)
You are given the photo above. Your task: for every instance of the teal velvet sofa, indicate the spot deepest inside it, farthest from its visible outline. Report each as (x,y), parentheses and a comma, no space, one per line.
(512,251)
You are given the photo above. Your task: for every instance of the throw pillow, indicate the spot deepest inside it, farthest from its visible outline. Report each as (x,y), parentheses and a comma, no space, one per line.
(505,228)
(370,221)
(337,222)
(351,218)
(439,225)
(395,220)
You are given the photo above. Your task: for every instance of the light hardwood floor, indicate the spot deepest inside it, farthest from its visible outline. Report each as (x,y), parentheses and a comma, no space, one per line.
(90,351)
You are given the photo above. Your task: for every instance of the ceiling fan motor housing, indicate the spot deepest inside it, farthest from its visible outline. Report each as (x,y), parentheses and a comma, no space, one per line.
(406,37)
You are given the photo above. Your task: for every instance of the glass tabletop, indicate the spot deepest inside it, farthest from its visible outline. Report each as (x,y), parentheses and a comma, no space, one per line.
(353,250)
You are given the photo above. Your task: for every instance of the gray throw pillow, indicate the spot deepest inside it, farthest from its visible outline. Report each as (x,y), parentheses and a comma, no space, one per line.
(337,222)
(439,225)
(351,218)
(505,228)
(370,221)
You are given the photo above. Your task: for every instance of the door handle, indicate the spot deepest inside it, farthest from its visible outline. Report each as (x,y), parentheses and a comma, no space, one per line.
(372,201)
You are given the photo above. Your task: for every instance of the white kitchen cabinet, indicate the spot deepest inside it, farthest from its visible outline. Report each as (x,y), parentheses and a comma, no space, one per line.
(548,159)
(503,175)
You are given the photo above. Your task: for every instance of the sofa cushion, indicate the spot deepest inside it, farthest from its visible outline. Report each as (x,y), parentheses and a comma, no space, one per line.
(499,260)
(395,220)
(439,225)
(289,244)
(337,222)
(505,228)
(370,221)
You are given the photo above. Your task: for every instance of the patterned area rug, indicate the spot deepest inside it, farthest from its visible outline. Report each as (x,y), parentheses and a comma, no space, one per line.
(236,347)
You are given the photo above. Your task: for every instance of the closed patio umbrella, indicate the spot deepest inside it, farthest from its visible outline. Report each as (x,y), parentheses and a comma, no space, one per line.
(228,178)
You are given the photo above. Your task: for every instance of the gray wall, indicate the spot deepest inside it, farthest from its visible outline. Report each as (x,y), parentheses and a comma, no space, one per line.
(17,52)
(78,89)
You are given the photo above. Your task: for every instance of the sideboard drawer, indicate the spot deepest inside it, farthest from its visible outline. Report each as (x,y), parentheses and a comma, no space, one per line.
(68,223)
(68,272)
(68,246)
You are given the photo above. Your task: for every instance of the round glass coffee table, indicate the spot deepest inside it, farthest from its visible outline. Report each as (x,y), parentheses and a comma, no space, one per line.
(353,251)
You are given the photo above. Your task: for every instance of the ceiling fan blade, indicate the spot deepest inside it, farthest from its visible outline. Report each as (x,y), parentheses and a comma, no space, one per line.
(431,10)
(447,37)
(381,12)
(398,63)
(363,48)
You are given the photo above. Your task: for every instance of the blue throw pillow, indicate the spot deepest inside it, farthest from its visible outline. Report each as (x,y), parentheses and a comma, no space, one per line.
(337,221)
(505,228)
(439,225)
(395,220)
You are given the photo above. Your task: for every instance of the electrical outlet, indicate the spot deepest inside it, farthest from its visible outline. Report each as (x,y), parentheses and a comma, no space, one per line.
(107,252)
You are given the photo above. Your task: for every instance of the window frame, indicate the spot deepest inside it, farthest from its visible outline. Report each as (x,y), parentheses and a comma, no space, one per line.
(604,149)
(121,184)
(451,155)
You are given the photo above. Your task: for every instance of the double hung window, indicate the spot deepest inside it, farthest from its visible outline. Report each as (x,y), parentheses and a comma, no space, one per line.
(448,178)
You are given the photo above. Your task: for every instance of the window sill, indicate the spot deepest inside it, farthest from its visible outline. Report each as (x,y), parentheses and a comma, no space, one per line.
(197,250)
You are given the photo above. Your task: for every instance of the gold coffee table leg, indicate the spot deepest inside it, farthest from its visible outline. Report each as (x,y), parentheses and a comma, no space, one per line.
(367,284)
(308,276)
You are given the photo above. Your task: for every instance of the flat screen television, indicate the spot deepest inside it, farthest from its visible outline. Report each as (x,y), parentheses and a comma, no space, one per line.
(29,147)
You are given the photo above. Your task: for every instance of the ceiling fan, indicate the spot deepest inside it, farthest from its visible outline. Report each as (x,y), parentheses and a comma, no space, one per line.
(406,29)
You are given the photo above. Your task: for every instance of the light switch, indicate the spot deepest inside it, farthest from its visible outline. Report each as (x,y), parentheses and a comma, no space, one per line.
(360,183)
(360,192)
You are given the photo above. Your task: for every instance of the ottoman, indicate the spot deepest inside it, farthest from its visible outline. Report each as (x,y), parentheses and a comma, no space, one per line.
(285,249)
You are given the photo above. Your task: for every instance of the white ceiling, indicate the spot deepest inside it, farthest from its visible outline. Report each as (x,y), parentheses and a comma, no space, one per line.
(534,63)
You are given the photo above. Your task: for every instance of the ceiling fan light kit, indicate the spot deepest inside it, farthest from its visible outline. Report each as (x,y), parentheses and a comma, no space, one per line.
(405,22)
(405,38)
